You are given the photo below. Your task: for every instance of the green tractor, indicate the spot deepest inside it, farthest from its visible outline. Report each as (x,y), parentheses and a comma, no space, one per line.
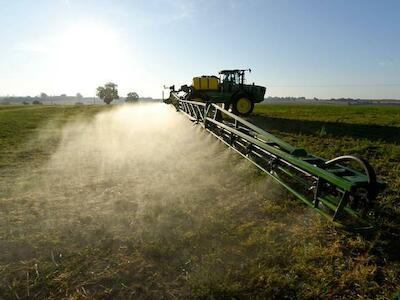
(230,90)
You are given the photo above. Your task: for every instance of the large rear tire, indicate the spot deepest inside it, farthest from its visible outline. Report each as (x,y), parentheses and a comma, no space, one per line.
(242,105)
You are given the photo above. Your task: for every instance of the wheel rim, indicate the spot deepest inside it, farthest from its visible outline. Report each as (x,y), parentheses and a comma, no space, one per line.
(243,105)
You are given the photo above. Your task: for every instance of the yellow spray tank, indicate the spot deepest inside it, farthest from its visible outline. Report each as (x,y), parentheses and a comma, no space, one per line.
(206,83)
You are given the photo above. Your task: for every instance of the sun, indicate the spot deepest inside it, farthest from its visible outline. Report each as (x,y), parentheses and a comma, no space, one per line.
(87,50)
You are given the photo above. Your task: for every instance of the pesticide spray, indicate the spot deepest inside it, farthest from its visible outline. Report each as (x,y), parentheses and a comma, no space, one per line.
(133,158)
(141,184)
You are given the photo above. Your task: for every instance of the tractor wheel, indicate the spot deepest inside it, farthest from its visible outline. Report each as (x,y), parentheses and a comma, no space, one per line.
(242,106)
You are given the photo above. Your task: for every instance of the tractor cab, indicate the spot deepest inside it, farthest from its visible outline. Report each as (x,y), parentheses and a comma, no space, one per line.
(230,78)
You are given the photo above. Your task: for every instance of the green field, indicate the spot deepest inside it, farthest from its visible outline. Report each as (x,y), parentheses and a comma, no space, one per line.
(105,202)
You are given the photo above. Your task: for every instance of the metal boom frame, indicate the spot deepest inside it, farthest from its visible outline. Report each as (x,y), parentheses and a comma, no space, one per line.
(340,193)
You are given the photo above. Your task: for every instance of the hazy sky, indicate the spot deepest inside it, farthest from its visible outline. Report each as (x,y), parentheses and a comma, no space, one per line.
(321,48)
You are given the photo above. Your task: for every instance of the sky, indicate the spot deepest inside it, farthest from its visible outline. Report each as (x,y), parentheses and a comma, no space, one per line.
(313,48)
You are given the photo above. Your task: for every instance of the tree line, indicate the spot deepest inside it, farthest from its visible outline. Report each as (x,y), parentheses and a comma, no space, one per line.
(109,92)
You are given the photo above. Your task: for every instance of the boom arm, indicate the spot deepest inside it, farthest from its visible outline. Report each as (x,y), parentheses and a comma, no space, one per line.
(338,192)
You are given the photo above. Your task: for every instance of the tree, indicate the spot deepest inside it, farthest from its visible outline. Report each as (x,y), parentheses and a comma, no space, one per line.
(108,92)
(132,97)
(43,96)
(79,96)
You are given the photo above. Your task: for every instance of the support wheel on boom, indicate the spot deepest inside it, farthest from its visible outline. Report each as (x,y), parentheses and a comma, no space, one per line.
(242,105)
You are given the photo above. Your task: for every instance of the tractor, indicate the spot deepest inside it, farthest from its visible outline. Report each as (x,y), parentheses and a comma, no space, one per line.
(230,90)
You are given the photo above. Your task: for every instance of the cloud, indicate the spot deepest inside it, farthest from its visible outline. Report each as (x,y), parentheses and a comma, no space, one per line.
(387,62)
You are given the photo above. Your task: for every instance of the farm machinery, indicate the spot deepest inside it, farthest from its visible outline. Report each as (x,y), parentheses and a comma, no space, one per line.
(229,90)
(342,189)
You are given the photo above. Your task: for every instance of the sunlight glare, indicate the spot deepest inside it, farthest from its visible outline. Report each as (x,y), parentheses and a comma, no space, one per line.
(88,51)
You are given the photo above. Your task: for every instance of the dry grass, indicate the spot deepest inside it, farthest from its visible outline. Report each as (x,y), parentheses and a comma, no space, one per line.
(135,204)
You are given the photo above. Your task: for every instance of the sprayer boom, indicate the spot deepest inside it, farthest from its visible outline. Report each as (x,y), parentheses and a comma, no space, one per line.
(340,193)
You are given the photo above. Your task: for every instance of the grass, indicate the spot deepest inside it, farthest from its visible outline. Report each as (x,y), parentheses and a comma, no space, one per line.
(242,237)
(19,130)
(331,131)
(365,115)
(19,123)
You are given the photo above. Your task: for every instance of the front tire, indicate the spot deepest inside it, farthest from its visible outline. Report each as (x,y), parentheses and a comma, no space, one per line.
(242,106)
